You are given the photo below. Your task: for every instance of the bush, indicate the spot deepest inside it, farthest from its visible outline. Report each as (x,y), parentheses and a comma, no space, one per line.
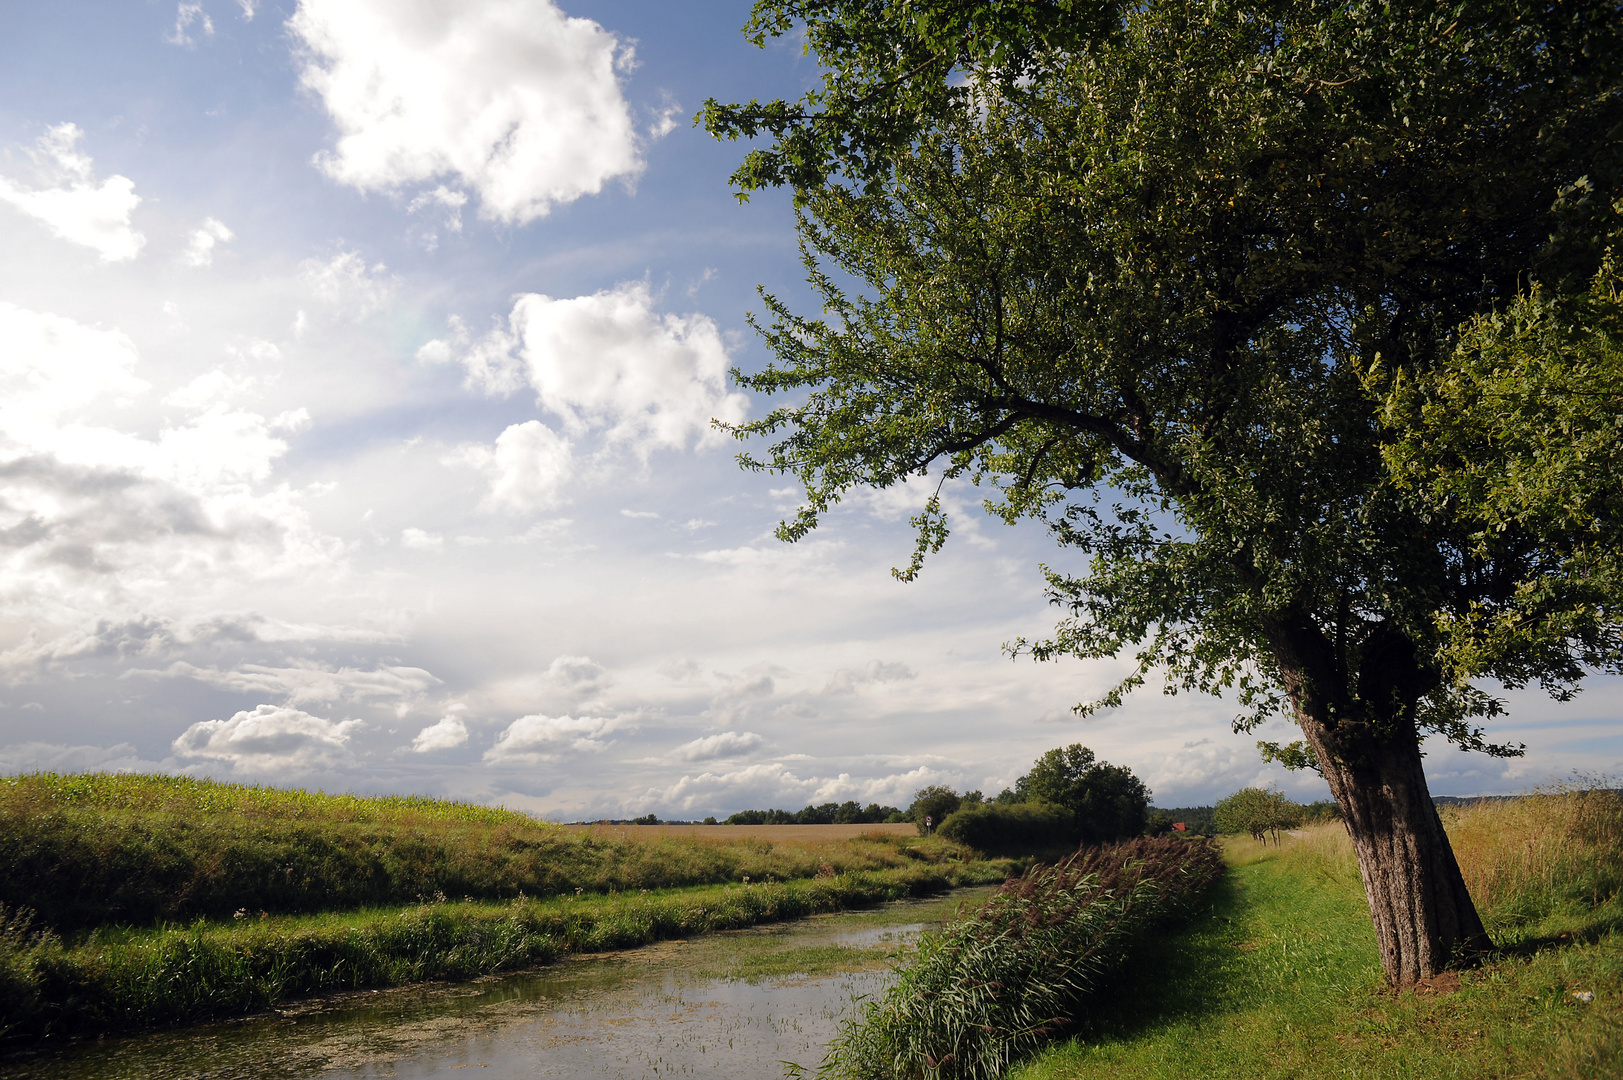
(1018,829)
(1108,802)
(991,988)
(935,802)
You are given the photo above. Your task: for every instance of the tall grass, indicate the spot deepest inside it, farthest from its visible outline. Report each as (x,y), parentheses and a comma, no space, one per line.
(994,986)
(85,850)
(119,978)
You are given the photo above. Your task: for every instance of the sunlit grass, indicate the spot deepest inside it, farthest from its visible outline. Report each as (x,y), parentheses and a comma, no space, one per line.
(1280,977)
(86,850)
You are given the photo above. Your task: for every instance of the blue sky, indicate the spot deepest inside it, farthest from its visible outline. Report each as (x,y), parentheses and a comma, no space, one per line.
(360,357)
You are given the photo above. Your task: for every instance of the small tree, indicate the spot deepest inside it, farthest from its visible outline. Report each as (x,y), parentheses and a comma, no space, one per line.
(934,802)
(1262,812)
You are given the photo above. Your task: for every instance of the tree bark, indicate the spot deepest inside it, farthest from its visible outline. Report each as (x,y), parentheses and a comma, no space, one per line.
(1424,918)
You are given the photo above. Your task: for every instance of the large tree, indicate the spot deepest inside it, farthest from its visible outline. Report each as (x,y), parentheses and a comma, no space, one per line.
(1155,275)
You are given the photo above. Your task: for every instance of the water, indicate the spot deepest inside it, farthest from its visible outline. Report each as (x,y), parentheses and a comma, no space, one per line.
(728,1005)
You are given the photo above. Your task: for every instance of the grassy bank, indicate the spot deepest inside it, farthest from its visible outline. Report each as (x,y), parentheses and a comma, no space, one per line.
(1279,978)
(86,850)
(121,978)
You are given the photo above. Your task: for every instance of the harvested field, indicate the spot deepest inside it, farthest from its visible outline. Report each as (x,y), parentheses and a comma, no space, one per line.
(798,834)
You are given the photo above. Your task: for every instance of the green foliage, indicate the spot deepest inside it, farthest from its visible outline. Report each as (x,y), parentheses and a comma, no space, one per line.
(988,990)
(1107,802)
(86,850)
(118,980)
(1516,445)
(846,813)
(1136,292)
(936,803)
(1258,812)
(1031,828)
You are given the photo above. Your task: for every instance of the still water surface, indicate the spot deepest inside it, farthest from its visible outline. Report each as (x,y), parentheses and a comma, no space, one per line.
(736,1004)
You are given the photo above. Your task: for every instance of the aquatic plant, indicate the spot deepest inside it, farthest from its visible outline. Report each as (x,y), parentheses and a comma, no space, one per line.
(989,989)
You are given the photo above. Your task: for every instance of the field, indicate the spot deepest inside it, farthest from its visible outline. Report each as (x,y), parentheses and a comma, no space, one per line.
(1279,977)
(777,834)
(85,851)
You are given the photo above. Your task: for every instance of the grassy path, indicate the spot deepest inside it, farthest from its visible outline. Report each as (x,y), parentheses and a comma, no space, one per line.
(1279,978)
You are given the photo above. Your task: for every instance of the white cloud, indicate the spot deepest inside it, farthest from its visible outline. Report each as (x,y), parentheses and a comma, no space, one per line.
(212,389)
(103,522)
(185,16)
(344,282)
(72,204)
(269,739)
(725,745)
(640,514)
(200,248)
(448,734)
(512,97)
(534,739)
(57,757)
(846,680)
(609,361)
(248,8)
(527,467)
(311,683)
(418,540)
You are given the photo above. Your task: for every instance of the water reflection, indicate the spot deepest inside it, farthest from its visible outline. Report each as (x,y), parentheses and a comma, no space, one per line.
(728,1005)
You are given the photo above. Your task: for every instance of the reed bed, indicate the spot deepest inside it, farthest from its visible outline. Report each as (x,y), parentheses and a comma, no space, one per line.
(86,850)
(996,985)
(119,978)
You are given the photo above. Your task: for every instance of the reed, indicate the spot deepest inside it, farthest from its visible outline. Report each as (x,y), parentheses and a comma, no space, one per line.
(994,986)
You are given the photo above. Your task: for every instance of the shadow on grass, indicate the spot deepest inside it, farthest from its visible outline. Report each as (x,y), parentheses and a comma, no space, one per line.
(1177,973)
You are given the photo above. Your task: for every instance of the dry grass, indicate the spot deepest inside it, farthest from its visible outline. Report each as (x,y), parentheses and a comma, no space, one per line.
(778,834)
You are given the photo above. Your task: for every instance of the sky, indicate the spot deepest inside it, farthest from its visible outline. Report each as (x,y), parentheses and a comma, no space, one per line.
(360,359)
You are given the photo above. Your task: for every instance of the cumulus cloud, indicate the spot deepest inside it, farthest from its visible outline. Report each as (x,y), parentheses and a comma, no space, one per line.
(71,203)
(448,734)
(725,745)
(527,468)
(512,98)
(204,238)
(609,361)
(270,739)
(536,738)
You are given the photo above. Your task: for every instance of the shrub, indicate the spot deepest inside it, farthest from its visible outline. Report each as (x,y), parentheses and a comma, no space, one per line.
(934,802)
(994,986)
(1018,829)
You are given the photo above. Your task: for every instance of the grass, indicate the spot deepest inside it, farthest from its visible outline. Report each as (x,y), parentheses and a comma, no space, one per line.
(120,978)
(1279,977)
(85,850)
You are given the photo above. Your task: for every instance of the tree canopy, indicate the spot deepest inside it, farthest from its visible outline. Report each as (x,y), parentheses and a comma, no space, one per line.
(1107,801)
(1198,285)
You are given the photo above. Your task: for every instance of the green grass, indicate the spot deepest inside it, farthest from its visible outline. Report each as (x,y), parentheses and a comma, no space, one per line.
(121,978)
(86,850)
(1279,976)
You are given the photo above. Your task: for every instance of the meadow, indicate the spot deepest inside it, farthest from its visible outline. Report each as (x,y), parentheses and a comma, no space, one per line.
(1278,976)
(85,851)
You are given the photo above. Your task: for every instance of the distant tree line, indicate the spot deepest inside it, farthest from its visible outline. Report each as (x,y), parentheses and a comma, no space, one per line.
(846,813)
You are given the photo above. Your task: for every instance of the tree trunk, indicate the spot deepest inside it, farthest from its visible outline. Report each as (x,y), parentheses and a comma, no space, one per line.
(1424,917)
(1368,748)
